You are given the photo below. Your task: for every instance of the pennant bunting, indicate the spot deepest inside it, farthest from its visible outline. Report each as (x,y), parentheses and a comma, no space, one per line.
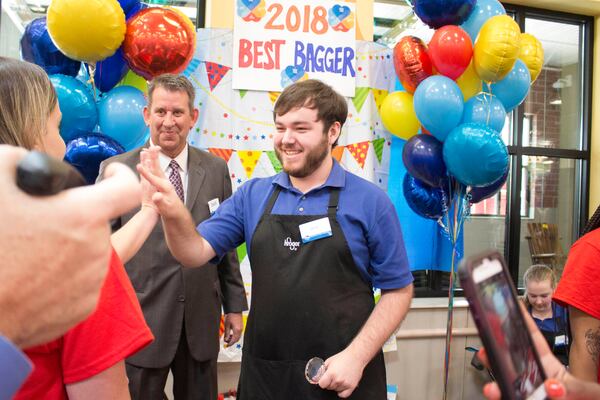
(215,73)
(274,96)
(241,252)
(192,66)
(379,95)
(242,93)
(360,95)
(359,152)
(378,147)
(337,153)
(274,161)
(225,154)
(249,160)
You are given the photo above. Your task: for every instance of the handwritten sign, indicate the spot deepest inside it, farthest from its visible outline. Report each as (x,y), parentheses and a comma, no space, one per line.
(277,43)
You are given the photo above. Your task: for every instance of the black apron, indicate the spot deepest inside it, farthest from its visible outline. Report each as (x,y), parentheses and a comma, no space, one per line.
(561,351)
(308,300)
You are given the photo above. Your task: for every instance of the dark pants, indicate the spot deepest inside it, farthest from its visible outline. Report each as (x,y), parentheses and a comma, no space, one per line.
(192,380)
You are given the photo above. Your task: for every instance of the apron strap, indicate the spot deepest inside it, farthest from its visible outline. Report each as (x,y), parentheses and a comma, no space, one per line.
(334,197)
(272,200)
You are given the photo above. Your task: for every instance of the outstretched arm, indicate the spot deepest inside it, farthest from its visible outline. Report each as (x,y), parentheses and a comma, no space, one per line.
(184,242)
(585,347)
(344,370)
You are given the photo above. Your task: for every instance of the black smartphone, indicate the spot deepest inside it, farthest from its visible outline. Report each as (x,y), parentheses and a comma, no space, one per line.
(39,174)
(495,308)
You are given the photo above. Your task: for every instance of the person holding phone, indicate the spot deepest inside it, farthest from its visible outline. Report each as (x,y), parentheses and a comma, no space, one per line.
(550,318)
(560,384)
(87,361)
(578,289)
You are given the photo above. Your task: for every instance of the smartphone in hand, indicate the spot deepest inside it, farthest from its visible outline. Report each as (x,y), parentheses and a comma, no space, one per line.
(39,174)
(495,308)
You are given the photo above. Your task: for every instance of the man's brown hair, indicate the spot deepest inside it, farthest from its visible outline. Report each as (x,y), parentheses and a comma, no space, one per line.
(316,95)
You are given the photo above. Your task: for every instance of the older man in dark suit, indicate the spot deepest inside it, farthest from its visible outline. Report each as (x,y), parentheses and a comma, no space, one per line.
(182,306)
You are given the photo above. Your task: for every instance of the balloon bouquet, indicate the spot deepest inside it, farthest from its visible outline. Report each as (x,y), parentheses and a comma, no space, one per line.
(477,67)
(99,54)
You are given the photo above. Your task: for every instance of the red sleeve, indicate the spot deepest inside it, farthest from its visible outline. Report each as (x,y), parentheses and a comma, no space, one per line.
(114,331)
(578,286)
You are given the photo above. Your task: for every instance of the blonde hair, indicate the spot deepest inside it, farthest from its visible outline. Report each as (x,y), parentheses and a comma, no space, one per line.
(538,273)
(27,98)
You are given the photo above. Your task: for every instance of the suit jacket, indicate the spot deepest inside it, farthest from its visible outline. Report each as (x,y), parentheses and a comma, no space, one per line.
(170,294)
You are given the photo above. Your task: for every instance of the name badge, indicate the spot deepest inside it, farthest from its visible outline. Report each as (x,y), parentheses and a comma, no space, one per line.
(560,340)
(317,229)
(213,205)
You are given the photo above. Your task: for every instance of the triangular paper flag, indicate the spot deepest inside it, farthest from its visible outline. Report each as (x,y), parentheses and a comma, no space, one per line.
(379,95)
(249,160)
(274,96)
(359,152)
(215,73)
(225,154)
(337,153)
(191,67)
(241,252)
(242,93)
(360,95)
(274,161)
(378,147)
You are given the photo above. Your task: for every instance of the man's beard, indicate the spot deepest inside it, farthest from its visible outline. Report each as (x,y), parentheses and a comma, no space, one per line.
(312,161)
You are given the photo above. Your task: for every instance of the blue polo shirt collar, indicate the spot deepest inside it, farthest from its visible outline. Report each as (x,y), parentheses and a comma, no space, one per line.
(336,178)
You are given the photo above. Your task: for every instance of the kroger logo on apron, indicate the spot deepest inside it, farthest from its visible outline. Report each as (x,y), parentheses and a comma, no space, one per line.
(293,246)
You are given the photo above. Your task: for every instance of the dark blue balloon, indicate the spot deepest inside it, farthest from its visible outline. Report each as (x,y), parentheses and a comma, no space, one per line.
(130,7)
(110,71)
(88,150)
(483,192)
(424,200)
(437,13)
(38,48)
(424,159)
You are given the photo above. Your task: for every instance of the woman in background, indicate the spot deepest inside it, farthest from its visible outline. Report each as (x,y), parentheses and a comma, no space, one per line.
(550,318)
(88,361)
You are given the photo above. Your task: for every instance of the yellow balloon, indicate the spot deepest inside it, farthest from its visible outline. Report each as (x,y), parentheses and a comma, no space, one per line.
(469,82)
(133,79)
(532,54)
(398,115)
(497,48)
(86,30)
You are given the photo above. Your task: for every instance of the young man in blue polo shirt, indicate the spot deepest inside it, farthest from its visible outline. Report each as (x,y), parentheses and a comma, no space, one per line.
(319,239)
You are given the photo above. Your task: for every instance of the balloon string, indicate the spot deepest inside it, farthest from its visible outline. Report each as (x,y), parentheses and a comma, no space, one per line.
(91,70)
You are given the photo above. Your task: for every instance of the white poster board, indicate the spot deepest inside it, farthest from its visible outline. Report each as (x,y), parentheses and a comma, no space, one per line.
(278,42)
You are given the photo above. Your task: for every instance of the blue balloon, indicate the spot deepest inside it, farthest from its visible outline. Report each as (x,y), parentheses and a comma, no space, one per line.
(437,13)
(110,71)
(121,115)
(77,105)
(37,47)
(439,105)
(130,7)
(424,200)
(514,87)
(423,158)
(88,150)
(483,10)
(485,109)
(483,192)
(475,155)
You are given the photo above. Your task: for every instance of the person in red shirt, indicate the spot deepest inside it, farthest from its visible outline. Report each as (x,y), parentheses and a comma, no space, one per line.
(88,361)
(578,289)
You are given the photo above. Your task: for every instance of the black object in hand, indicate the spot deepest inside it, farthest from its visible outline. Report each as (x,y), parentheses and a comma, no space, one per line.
(39,174)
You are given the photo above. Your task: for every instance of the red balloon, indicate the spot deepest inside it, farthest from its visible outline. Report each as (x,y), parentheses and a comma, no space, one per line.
(158,41)
(411,62)
(450,50)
